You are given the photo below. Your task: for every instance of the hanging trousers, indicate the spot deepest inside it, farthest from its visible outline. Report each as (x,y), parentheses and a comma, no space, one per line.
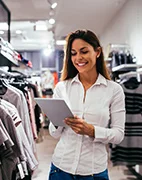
(57,174)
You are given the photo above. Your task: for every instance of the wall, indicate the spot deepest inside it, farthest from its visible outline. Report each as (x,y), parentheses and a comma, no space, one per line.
(41,62)
(34,57)
(126,28)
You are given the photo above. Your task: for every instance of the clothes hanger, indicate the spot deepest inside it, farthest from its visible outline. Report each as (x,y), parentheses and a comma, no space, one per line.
(131,80)
(3,86)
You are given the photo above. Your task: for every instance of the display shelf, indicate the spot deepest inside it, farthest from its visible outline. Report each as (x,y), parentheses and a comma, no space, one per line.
(7,60)
(4,73)
(135,173)
(126,67)
(109,59)
(23,65)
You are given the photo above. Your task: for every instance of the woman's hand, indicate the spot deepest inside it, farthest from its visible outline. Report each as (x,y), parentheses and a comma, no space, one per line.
(79,126)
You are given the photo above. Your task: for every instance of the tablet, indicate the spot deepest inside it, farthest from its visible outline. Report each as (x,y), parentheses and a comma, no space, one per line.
(55,109)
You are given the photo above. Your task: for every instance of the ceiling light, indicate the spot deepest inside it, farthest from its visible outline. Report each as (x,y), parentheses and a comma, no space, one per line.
(47,52)
(3,26)
(41,26)
(49,46)
(52,21)
(1,32)
(53,5)
(60,42)
(18,32)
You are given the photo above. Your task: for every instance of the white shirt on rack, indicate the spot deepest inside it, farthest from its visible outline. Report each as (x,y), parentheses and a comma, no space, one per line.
(104,107)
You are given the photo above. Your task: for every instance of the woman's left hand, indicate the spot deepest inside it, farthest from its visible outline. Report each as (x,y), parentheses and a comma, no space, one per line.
(79,126)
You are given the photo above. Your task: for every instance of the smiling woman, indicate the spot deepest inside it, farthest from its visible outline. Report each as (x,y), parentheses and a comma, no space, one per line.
(80,45)
(96,103)
(84,58)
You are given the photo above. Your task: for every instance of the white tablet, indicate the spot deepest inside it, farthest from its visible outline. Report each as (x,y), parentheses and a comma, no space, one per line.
(55,109)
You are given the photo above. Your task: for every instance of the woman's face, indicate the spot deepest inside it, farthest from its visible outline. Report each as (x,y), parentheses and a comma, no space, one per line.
(83,56)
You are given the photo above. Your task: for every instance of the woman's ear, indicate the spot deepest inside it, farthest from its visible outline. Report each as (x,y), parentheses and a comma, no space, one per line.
(98,50)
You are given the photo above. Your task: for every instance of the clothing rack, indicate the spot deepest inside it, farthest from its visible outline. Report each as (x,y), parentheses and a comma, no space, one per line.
(130,74)
(116,47)
(124,69)
(25,127)
(119,46)
(134,172)
(120,59)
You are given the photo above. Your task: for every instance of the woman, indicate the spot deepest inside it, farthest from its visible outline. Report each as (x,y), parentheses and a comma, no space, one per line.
(98,107)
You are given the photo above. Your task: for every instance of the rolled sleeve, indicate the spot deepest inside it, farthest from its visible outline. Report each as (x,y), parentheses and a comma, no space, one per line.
(115,133)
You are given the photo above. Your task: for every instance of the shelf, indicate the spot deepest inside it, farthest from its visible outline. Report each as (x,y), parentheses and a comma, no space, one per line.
(5,73)
(108,59)
(126,46)
(7,60)
(126,67)
(23,65)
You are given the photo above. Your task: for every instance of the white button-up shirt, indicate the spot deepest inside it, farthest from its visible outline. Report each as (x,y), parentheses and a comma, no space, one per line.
(104,107)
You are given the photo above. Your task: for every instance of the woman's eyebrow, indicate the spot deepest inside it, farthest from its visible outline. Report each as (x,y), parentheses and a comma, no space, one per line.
(73,49)
(83,48)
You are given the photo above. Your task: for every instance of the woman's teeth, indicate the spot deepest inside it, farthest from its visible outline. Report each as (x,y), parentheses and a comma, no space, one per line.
(81,64)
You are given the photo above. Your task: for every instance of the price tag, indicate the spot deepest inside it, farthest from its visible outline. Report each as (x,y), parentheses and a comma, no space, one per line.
(24,165)
(21,170)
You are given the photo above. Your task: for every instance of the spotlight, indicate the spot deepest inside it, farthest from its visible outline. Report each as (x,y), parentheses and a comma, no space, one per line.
(1,32)
(53,5)
(47,52)
(18,32)
(52,21)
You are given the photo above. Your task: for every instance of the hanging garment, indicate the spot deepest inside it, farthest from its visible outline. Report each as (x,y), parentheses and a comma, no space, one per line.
(37,111)
(9,153)
(119,58)
(31,107)
(129,151)
(27,155)
(16,97)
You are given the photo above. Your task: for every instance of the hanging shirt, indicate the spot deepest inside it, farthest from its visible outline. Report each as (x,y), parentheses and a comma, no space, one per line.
(16,97)
(104,104)
(129,151)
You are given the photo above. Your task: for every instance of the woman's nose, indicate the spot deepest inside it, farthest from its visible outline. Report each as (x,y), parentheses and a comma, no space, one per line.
(78,56)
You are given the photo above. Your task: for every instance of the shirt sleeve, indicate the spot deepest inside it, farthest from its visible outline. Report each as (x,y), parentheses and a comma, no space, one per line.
(115,133)
(56,131)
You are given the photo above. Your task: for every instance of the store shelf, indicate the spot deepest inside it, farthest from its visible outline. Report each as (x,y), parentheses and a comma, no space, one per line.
(126,67)
(4,73)
(23,65)
(108,59)
(7,60)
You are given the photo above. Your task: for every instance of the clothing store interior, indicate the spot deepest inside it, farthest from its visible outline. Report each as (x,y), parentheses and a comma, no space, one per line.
(32,39)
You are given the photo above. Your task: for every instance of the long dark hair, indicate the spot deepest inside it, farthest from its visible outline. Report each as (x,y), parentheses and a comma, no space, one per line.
(69,71)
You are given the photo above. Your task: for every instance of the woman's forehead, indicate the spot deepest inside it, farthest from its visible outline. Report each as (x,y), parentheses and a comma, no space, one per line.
(80,43)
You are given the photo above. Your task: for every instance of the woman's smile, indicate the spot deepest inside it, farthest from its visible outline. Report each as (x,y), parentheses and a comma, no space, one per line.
(81,64)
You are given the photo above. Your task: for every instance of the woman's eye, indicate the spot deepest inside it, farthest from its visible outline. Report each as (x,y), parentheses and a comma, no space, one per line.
(73,54)
(84,52)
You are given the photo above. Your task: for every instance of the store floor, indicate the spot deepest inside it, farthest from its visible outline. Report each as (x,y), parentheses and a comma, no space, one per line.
(45,150)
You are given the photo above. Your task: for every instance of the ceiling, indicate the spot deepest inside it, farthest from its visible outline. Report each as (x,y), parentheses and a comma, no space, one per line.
(69,16)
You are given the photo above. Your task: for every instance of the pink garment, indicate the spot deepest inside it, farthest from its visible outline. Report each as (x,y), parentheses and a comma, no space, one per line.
(31,106)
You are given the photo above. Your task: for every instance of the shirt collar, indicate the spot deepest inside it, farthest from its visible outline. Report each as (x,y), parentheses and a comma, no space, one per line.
(100,80)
